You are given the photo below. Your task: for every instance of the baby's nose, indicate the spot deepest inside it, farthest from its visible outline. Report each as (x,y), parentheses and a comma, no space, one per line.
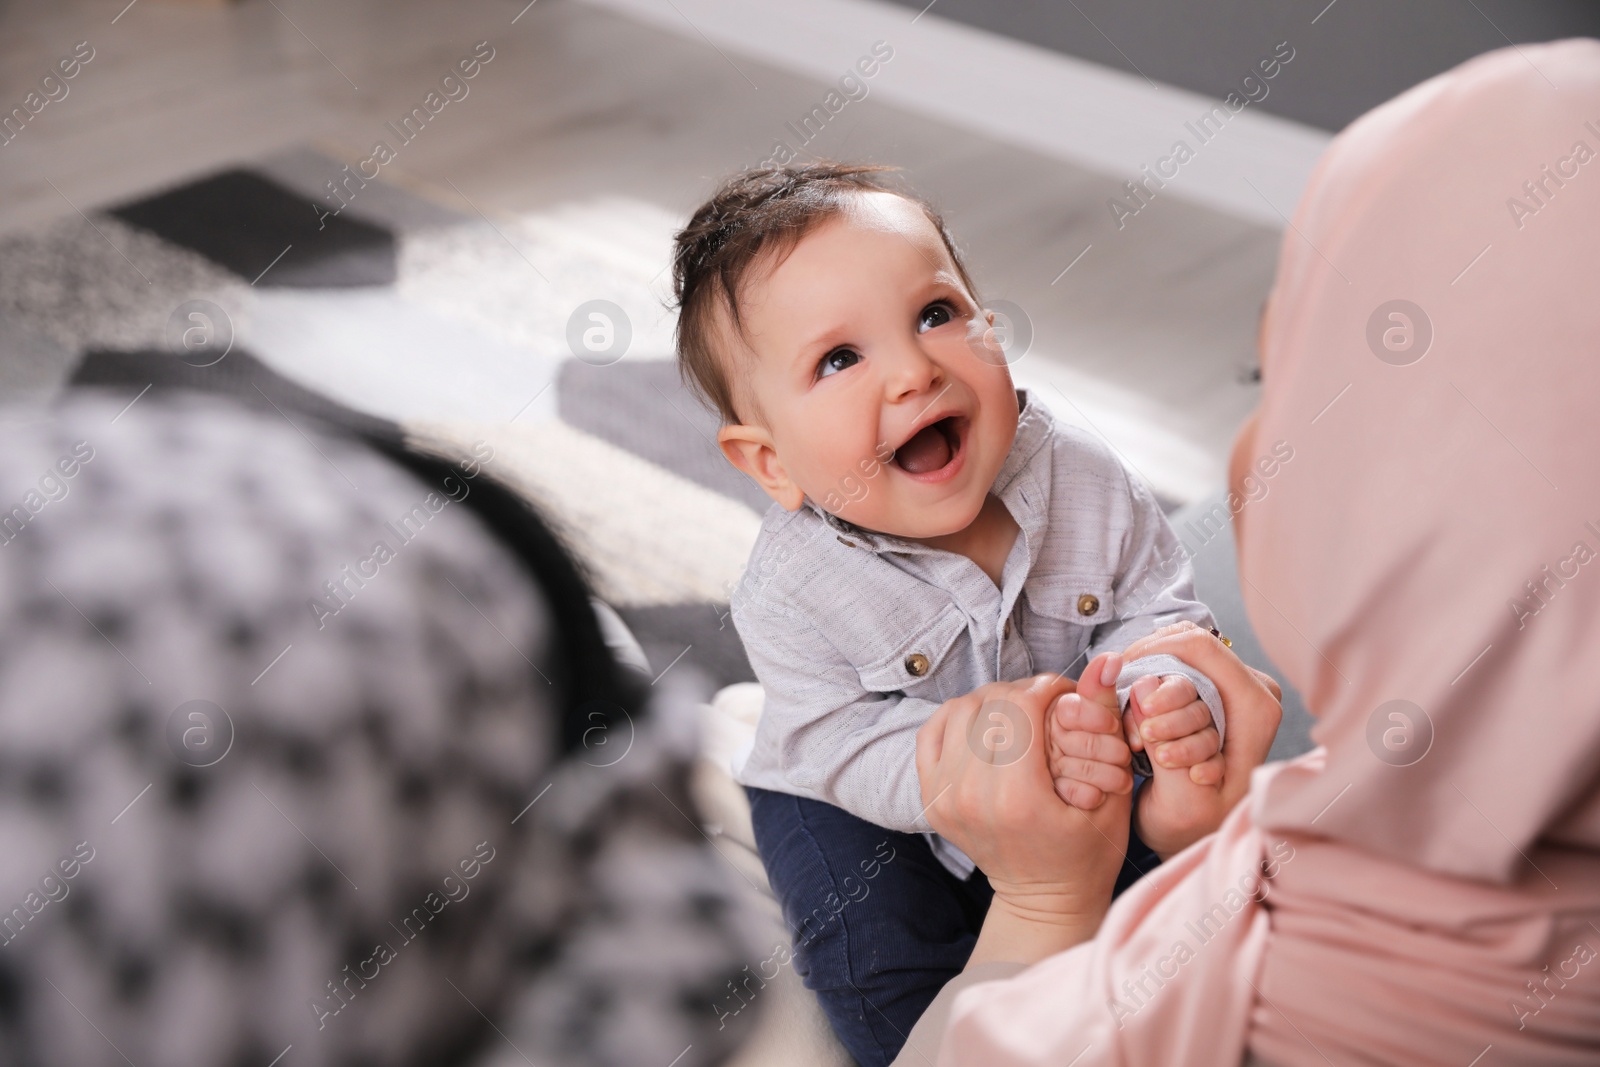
(912,371)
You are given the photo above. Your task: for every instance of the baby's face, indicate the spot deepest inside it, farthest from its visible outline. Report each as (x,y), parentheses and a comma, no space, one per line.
(879,389)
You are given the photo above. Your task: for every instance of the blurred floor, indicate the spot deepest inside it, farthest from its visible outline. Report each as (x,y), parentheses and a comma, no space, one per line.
(611,130)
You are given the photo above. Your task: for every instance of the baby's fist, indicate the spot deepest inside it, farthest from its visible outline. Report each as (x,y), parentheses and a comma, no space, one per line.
(1085,747)
(1169,719)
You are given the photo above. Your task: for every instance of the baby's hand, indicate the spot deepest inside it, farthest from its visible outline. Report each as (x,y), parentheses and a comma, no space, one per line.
(1182,800)
(1175,725)
(1086,752)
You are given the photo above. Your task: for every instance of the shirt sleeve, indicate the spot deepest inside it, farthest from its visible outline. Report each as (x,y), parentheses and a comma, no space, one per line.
(1154,588)
(825,732)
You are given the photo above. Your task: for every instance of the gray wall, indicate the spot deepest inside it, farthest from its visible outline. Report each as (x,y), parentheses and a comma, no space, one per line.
(1358,54)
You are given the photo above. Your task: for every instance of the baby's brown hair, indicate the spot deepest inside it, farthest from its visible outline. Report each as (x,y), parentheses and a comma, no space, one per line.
(752,213)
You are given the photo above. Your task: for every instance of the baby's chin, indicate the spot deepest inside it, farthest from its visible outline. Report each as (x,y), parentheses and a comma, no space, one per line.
(909,521)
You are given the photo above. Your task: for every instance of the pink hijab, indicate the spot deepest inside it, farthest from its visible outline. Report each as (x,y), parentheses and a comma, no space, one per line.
(1426,570)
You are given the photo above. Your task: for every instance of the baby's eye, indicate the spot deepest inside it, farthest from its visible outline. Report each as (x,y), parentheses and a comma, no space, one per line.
(837,360)
(934,316)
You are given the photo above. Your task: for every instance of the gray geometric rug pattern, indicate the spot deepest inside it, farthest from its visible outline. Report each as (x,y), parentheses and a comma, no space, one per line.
(433,316)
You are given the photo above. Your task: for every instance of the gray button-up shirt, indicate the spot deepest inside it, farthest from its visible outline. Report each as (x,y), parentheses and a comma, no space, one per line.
(856,637)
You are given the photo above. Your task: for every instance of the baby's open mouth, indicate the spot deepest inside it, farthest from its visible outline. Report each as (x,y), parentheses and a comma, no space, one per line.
(932,447)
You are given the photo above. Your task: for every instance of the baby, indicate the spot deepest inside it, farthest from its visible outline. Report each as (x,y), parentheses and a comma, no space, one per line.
(936,530)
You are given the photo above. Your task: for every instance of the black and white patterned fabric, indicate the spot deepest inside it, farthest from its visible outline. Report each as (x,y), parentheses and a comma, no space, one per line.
(273,794)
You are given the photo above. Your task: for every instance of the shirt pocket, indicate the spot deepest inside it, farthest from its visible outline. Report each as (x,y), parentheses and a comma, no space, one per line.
(913,665)
(1063,612)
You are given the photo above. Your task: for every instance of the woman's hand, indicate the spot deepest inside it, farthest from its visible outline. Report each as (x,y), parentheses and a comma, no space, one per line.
(1175,809)
(981,760)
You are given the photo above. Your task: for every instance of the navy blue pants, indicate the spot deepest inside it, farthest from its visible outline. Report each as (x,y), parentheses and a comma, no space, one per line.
(879,925)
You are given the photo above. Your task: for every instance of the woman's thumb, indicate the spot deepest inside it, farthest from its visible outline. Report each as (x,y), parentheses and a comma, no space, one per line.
(1098,682)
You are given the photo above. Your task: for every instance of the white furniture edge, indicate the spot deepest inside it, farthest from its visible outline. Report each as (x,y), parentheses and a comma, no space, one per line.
(1062,107)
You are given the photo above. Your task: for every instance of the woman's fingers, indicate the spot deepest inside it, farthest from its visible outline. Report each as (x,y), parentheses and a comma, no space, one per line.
(958,717)
(1144,646)
(1140,648)
(1196,647)
(941,747)
(1270,682)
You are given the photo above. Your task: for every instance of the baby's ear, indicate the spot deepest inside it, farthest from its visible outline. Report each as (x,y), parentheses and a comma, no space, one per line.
(750,449)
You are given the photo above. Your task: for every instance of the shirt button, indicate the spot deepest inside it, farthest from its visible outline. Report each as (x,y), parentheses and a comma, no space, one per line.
(917,664)
(1006,632)
(1088,604)
(842,541)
